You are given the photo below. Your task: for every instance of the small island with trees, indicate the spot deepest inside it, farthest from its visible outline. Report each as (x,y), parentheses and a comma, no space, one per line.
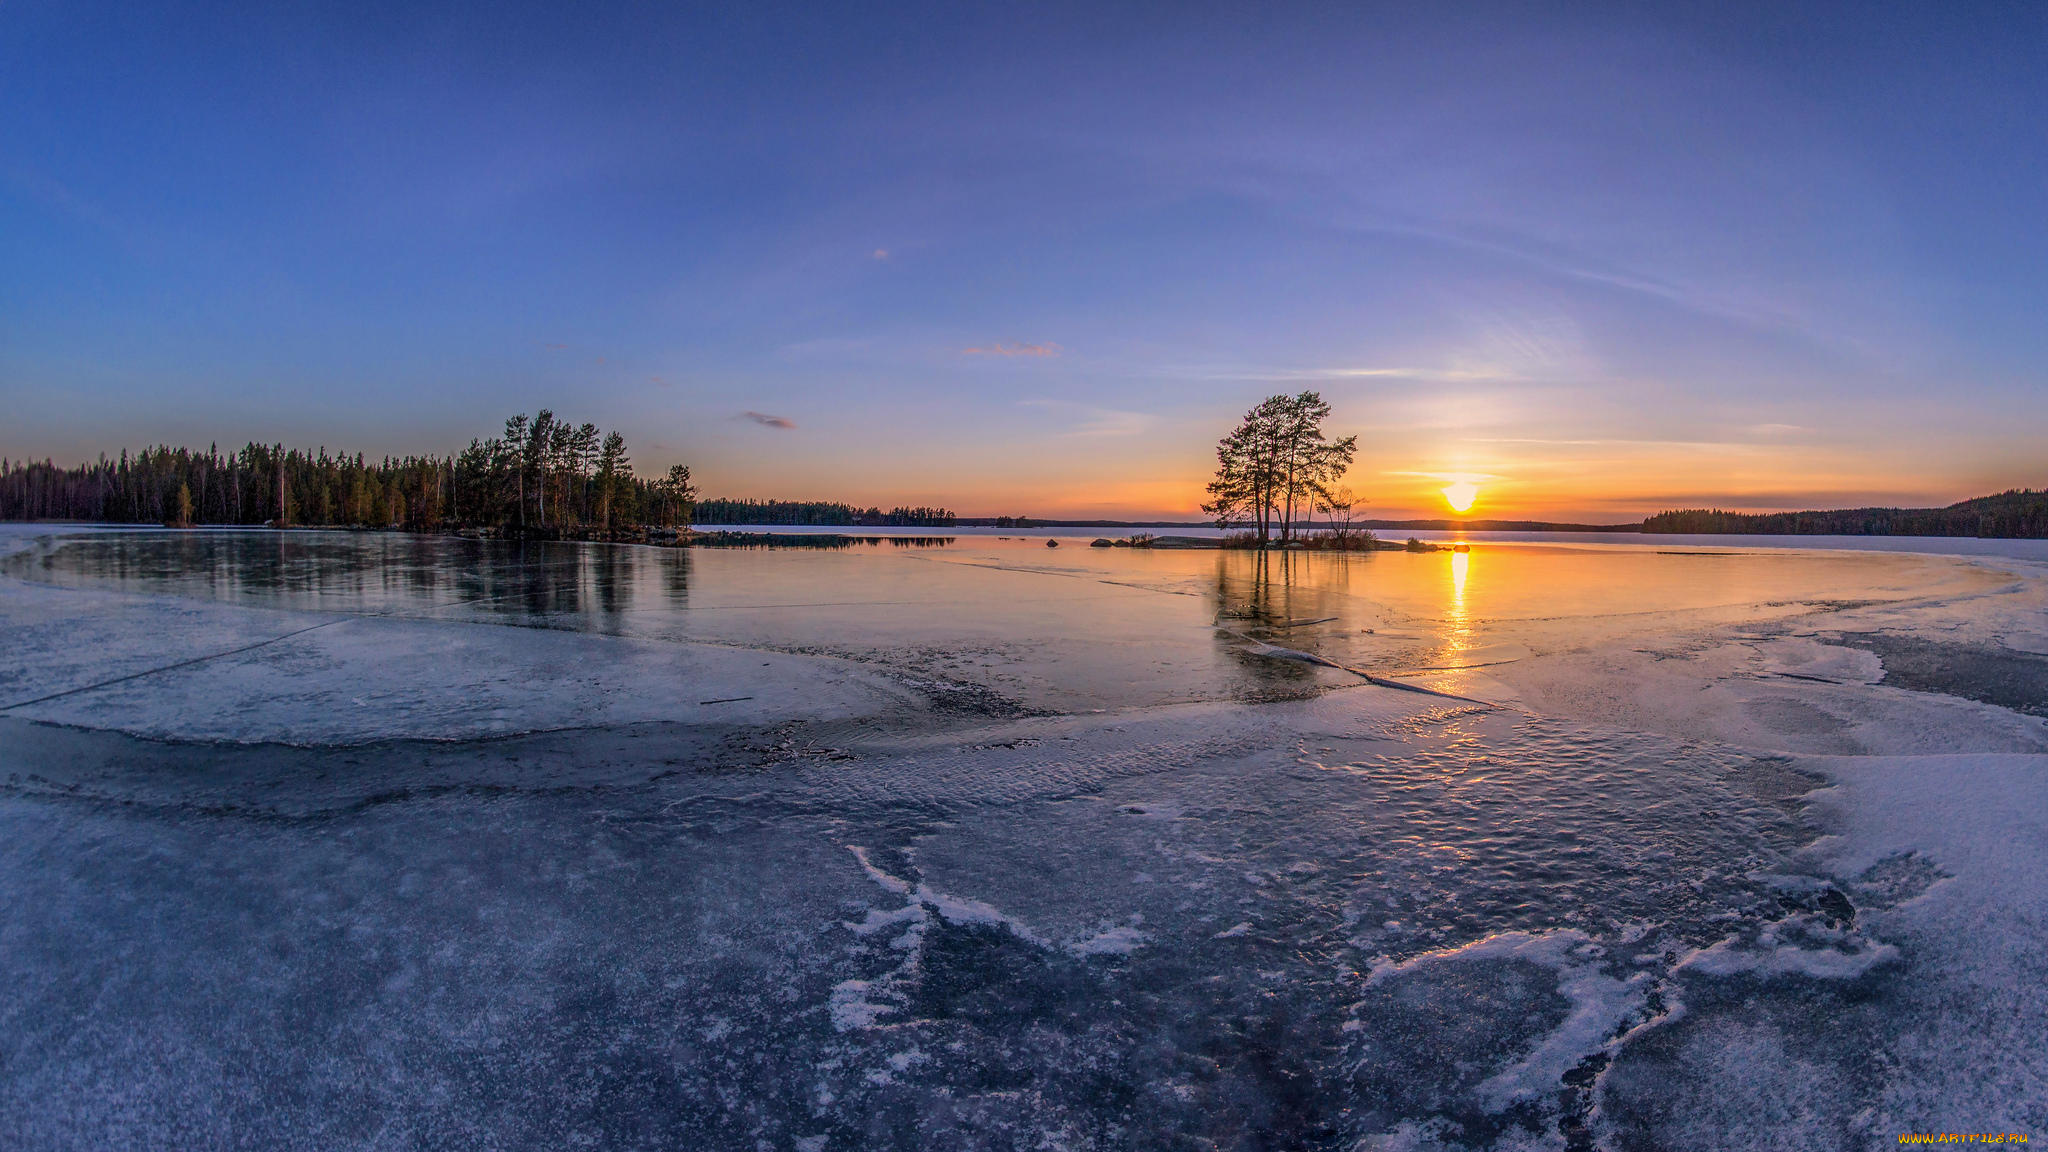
(1274,471)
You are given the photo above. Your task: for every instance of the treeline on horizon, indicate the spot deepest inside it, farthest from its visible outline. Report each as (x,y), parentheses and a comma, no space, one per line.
(2018,514)
(542,477)
(813,512)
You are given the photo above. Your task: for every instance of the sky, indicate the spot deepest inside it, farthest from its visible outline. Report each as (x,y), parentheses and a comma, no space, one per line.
(1037,259)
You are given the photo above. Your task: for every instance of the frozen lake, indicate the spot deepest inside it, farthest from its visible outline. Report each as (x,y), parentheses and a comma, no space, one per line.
(335,840)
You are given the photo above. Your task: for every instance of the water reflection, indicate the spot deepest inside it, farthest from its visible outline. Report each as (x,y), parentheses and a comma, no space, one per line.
(1277,592)
(826,540)
(1074,629)
(1458,617)
(538,583)
(1299,600)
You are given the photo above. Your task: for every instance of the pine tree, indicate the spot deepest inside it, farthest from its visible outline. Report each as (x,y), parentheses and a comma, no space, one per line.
(1275,464)
(515,448)
(678,495)
(1312,461)
(613,472)
(1249,468)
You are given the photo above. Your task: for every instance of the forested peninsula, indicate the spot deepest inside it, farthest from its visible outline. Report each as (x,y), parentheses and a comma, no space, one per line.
(2018,514)
(543,477)
(812,512)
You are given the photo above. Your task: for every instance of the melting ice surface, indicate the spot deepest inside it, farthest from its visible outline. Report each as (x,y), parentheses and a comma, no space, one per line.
(354,840)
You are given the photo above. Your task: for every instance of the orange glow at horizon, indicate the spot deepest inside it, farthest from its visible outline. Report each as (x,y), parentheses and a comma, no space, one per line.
(1422,474)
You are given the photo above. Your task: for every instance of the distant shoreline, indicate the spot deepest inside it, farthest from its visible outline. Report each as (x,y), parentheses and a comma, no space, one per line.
(2015,514)
(1443,525)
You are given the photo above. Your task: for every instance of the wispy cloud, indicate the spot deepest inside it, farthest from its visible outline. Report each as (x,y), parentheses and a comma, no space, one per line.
(1451,374)
(1014,350)
(836,350)
(1615,441)
(1561,261)
(1312,375)
(767,421)
(1092,421)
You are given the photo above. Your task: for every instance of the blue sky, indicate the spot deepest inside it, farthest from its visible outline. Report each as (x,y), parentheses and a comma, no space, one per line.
(1038,258)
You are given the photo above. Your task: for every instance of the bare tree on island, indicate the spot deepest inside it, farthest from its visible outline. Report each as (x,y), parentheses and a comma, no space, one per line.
(1340,505)
(1276,464)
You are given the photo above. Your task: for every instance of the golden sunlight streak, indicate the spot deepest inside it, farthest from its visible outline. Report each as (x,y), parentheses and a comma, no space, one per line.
(1460,495)
(1459,616)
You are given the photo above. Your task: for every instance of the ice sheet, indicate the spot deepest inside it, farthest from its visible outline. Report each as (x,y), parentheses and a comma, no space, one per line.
(312,862)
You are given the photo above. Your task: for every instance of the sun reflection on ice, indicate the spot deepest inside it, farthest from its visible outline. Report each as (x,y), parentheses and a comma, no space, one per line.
(1458,614)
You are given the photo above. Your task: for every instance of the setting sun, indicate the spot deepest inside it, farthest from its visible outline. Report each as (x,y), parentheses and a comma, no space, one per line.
(1460,495)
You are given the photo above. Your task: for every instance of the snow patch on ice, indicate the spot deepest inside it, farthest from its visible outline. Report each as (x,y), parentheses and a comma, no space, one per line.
(1409,1136)
(1559,949)
(1604,1009)
(964,910)
(1806,659)
(1969,932)
(892,883)
(880,918)
(1790,883)
(1728,958)
(1119,941)
(862,1003)
(852,1006)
